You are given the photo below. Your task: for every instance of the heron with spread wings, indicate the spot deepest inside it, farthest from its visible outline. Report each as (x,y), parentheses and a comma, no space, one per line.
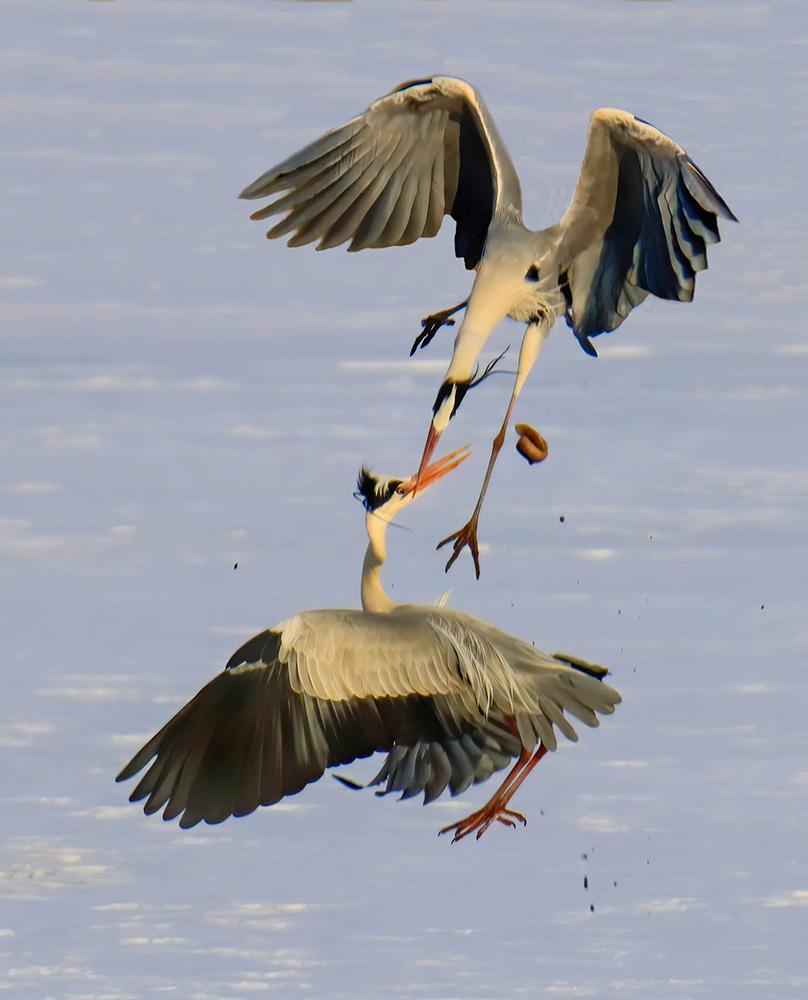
(641,217)
(450,698)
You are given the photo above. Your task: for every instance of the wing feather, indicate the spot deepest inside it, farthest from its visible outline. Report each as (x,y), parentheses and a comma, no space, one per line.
(640,218)
(452,162)
(437,689)
(337,220)
(431,767)
(307,162)
(333,194)
(254,734)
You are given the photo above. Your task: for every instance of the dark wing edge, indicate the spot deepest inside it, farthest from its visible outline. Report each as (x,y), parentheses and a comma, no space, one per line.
(248,739)
(665,216)
(387,177)
(431,767)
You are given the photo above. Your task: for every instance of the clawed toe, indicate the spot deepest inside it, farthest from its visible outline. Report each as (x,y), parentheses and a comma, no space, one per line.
(430,326)
(466,536)
(478,822)
(509,817)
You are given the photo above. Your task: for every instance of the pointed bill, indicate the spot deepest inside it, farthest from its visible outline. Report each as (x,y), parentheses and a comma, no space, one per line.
(429,474)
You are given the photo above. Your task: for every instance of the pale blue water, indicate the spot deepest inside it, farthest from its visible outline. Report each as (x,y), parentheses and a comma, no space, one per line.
(179,395)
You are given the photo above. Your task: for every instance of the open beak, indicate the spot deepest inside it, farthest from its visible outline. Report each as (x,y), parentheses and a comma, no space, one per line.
(432,439)
(429,474)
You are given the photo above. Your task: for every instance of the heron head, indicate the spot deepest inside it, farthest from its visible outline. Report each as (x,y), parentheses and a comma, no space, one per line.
(385,496)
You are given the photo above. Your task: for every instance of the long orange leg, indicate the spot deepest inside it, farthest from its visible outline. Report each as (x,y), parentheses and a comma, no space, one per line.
(467,535)
(531,345)
(495,808)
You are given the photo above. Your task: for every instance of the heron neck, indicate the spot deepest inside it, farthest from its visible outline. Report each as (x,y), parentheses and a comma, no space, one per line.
(373,595)
(497,285)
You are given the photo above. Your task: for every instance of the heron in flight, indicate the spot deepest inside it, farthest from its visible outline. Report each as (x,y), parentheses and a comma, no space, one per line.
(641,217)
(450,698)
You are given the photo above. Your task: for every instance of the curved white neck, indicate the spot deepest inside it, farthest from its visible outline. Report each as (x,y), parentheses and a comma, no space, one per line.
(373,595)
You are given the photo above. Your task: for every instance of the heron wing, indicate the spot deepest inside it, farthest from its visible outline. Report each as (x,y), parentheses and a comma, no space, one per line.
(387,178)
(477,671)
(537,689)
(431,767)
(512,682)
(257,733)
(641,217)
(326,687)
(340,654)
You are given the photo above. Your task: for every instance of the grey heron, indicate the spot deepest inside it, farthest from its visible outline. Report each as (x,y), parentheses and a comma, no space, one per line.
(641,217)
(449,697)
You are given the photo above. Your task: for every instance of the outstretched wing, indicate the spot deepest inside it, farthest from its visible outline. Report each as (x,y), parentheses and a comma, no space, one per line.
(326,687)
(262,729)
(471,671)
(640,220)
(427,149)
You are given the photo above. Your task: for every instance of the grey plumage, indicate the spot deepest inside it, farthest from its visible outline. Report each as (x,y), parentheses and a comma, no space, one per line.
(388,177)
(450,698)
(641,217)
(283,711)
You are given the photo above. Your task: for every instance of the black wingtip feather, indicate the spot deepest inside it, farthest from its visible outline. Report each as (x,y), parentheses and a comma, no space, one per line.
(262,648)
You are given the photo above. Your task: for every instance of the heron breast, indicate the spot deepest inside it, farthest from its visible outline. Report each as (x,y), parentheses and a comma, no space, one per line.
(538,306)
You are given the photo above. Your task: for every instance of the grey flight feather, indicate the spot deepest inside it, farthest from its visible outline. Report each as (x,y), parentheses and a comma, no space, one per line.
(326,687)
(388,177)
(640,220)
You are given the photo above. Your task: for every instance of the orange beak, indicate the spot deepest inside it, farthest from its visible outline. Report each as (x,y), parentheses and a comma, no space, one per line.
(429,474)
(432,439)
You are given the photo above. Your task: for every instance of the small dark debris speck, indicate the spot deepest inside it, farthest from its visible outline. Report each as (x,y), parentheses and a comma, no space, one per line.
(586,882)
(591,907)
(561,519)
(235,565)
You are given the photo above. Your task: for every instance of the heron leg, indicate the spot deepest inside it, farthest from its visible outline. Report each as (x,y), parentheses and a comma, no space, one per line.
(467,535)
(431,325)
(495,808)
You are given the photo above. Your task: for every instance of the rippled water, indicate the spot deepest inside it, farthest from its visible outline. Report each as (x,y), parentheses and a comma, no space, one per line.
(179,395)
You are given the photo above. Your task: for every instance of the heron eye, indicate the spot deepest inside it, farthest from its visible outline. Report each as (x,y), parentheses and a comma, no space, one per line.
(532,273)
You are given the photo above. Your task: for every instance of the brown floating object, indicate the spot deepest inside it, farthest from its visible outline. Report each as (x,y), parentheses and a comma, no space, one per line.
(530,444)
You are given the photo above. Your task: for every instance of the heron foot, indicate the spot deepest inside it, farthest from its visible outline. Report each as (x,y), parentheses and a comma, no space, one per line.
(480,821)
(431,325)
(467,536)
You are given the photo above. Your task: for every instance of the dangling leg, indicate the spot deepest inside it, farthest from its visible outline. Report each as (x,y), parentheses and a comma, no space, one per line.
(495,808)
(467,535)
(433,323)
